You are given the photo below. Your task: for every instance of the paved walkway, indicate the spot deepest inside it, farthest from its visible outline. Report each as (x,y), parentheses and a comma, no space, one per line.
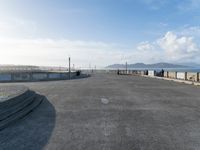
(109,112)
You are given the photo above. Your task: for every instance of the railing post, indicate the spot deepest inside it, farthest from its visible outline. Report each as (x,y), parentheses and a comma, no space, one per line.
(69,69)
(185,76)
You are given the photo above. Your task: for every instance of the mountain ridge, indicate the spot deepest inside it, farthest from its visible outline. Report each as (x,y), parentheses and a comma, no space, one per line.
(143,65)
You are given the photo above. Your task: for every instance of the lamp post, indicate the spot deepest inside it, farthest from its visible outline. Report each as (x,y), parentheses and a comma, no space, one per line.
(126,68)
(69,68)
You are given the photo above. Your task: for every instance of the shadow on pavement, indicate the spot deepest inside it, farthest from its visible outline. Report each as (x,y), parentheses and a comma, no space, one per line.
(32,132)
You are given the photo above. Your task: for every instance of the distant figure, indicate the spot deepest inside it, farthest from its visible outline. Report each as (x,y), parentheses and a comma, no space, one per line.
(78,73)
(162,73)
(118,71)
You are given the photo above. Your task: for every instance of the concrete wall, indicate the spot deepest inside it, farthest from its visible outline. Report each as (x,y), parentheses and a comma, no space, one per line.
(5,77)
(21,76)
(192,76)
(181,75)
(34,76)
(39,76)
(151,73)
(129,71)
(54,75)
(172,75)
(134,72)
(166,74)
(143,72)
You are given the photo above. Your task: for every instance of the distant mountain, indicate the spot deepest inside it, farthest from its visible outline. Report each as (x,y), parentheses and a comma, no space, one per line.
(142,65)
(190,64)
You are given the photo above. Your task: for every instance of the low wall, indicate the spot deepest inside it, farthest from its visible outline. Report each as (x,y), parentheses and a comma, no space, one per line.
(20,76)
(54,76)
(192,76)
(166,74)
(5,77)
(39,76)
(151,73)
(181,75)
(35,76)
(172,75)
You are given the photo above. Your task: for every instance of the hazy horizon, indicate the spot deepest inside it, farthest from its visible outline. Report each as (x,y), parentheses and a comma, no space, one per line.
(99,33)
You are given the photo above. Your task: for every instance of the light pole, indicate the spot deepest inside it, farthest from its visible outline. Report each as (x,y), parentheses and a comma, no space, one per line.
(69,69)
(126,68)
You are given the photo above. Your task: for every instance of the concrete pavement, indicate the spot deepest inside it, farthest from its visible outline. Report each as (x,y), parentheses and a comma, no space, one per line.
(109,112)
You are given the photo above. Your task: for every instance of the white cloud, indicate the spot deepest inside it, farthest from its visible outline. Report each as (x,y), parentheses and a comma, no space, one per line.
(145,46)
(16,27)
(193,31)
(55,52)
(178,48)
(50,52)
(172,47)
(169,48)
(147,52)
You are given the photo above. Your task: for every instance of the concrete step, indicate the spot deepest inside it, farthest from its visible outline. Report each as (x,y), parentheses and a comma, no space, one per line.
(15,100)
(21,113)
(6,112)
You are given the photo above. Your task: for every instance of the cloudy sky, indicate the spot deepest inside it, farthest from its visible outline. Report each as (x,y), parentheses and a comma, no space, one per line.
(99,32)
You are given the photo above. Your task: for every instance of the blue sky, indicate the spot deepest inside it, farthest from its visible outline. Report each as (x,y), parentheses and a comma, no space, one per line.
(99,32)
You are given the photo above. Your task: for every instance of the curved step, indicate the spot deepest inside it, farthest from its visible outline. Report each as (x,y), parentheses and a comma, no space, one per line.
(15,100)
(21,113)
(6,112)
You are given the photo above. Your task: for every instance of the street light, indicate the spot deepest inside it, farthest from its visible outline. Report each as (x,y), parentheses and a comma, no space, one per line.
(69,68)
(126,68)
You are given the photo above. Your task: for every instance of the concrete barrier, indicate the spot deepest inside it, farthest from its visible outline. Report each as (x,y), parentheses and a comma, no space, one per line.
(192,76)
(134,72)
(181,75)
(166,74)
(39,76)
(129,71)
(151,72)
(5,77)
(35,76)
(54,75)
(21,76)
(143,72)
(172,75)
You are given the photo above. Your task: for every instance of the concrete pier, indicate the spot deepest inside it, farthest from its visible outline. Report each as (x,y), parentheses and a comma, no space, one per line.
(111,112)
(25,76)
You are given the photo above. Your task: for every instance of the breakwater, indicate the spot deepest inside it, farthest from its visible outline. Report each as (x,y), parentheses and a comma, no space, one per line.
(177,75)
(36,76)
(188,76)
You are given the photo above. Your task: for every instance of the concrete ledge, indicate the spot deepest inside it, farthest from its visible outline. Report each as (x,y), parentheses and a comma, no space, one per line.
(175,80)
(15,103)
(197,83)
(38,76)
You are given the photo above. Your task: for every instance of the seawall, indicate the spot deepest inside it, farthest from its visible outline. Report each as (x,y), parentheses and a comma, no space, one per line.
(36,76)
(185,77)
